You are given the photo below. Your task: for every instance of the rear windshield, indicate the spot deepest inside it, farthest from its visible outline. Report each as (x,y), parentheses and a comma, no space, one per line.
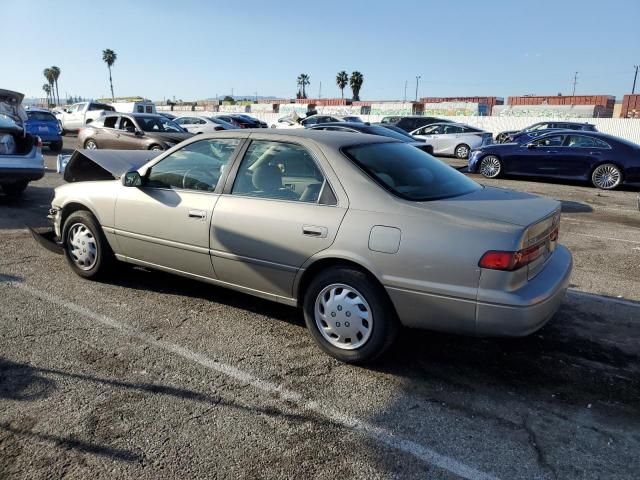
(387,132)
(41,116)
(409,172)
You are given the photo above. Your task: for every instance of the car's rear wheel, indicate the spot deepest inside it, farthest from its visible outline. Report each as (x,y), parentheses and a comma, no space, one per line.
(462,151)
(606,176)
(349,315)
(55,146)
(156,148)
(85,246)
(14,189)
(90,145)
(490,167)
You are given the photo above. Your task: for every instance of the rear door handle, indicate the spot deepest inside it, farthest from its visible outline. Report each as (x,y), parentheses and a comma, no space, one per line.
(595,153)
(197,214)
(314,231)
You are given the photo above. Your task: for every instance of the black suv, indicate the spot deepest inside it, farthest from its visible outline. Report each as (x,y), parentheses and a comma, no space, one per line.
(413,122)
(504,137)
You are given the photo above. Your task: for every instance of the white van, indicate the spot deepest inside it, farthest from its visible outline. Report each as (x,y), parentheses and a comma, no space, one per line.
(142,106)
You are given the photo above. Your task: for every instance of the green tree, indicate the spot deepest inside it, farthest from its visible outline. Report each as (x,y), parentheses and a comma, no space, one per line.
(355,82)
(109,57)
(303,81)
(47,89)
(342,80)
(55,73)
(48,74)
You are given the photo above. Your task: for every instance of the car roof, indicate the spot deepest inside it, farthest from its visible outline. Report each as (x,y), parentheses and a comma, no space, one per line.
(326,138)
(584,133)
(354,125)
(41,110)
(134,115)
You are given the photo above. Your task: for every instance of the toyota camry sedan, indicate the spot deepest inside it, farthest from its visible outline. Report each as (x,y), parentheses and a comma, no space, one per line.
(364,233)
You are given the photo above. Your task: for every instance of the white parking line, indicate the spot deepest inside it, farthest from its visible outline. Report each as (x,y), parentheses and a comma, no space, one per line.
(378,434)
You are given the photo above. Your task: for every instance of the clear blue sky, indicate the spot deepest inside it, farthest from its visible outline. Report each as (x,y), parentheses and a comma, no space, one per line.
(197,49)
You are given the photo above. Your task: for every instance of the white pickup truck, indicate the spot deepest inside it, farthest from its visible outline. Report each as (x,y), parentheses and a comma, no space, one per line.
(80,114)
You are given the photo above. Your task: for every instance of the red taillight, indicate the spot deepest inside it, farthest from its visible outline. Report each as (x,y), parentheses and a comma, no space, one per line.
(509,261)
(495,260)
(38,142)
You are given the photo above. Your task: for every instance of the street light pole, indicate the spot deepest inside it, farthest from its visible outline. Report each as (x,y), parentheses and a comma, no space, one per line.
(635,77)
(418,77)
(406,82)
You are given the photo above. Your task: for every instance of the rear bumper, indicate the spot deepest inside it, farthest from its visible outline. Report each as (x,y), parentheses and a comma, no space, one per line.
(492,313)
(11,175)
(529,308)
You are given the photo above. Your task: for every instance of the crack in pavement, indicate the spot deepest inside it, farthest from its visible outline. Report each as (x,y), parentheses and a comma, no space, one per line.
(535,444)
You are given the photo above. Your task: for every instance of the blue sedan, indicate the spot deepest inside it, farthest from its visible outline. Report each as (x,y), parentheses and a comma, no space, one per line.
(44,124)
(604,160)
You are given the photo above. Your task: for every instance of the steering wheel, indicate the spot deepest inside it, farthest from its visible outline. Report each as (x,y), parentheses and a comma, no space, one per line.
(205,180)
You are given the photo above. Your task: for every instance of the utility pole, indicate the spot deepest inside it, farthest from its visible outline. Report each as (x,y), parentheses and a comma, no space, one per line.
(418,77)
(575,82)
(635,77)
(406,82)
(320,91)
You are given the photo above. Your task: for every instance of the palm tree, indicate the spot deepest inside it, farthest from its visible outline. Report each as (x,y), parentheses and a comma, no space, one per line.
(355,82)
(303,81)
(55,73)
(109,57)
(342,80)
(47,89)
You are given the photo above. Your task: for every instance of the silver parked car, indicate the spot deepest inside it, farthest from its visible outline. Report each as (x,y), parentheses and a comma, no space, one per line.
(363,232)
(453,138)
(203,124)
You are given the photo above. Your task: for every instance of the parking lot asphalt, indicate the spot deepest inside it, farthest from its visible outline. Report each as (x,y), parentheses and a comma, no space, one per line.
(152,376)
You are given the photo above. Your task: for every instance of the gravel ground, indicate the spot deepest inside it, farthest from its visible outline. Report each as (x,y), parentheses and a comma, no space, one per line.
(153,376)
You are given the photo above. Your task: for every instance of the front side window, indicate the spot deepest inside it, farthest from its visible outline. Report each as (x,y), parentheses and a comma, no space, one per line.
(276,170)
(197,166)
(127,124)
(553,141)
(432,130)
(409,172)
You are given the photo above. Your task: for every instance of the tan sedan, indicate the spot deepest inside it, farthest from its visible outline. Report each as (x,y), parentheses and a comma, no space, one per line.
(364,233)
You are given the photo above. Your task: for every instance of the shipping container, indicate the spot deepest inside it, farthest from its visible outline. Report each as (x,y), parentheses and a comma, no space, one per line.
(604,103)
(631,106)
(490,102)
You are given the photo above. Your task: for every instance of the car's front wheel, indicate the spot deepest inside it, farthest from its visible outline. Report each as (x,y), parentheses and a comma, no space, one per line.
(156,148)
(490,167)
(90,145)
(606,176)
(85,246)
(349,315)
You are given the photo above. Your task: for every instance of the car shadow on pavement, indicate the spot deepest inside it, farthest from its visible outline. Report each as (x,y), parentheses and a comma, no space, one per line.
(569,206)
(141,278)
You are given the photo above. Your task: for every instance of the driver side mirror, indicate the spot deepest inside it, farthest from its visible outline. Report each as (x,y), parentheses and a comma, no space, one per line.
(138,132)
(531,145)
(132,179)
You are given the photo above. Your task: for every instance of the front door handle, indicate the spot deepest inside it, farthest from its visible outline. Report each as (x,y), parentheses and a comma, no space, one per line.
(197,214)
(314,231)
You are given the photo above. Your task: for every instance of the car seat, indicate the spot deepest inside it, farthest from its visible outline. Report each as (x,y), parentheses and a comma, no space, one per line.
(267,178)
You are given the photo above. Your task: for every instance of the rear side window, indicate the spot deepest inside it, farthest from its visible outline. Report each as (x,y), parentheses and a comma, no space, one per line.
(101,106)
(409,172)
(41,116)
(110,122)
(579,141)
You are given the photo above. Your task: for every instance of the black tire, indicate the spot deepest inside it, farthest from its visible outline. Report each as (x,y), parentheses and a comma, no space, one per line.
(104,258)
(16,189)
(55,146)
(156,148)
(90,141)
(63,132)
(384,326)
(458,152)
